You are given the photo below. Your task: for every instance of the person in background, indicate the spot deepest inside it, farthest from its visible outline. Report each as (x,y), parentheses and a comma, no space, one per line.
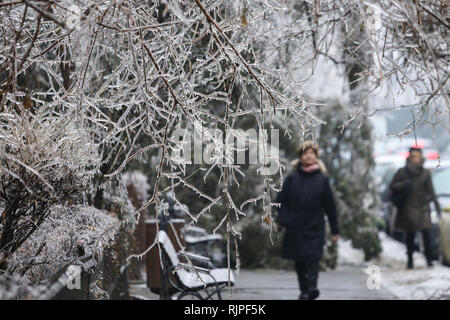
(414,212)
(305,198)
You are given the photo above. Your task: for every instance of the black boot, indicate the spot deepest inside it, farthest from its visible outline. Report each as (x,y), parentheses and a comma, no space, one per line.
(314,294)
(311,294)
(310,281)
(304,296)
(410,264)
(428,250)
(300,267)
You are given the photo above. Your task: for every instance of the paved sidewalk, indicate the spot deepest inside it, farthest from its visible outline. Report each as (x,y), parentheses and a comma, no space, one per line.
(344,283)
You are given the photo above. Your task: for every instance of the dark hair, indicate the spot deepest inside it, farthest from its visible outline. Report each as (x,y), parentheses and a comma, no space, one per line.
(305,146)
(415,149)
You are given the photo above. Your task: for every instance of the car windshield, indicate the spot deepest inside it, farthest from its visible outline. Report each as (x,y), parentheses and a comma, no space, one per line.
(385,172)
(441,181)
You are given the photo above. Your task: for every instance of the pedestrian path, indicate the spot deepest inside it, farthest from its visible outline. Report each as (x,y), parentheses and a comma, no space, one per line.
(344,283)
(421,283)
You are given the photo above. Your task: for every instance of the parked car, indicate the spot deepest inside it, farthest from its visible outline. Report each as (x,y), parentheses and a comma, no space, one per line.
(385,169)
(441,182)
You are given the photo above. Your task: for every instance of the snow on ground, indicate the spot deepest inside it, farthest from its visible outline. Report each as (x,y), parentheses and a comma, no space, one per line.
(347,255)
(417,284)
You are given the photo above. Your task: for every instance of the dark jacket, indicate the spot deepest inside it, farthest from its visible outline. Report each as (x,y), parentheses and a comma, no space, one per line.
(414,215)
(305,197)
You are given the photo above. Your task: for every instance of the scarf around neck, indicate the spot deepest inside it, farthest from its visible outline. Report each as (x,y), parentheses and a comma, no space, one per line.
(311,168)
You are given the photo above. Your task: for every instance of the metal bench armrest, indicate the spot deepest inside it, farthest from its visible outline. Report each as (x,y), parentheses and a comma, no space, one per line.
(194,256)
(199,269)
(203,261)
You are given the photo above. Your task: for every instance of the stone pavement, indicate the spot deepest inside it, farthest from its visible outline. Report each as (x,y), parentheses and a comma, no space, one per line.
(344,283)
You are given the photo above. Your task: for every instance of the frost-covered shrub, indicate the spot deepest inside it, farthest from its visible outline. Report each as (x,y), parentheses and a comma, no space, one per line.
(45,158)
(136,194)
(12,288)
(117,201)
(139,184)
(138,189)
(67,232)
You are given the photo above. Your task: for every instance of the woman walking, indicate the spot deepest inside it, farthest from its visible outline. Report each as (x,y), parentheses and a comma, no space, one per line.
(414,215)
(305,198)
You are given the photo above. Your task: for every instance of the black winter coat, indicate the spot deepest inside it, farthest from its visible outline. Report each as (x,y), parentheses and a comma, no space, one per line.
(305,197)
(415,215)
